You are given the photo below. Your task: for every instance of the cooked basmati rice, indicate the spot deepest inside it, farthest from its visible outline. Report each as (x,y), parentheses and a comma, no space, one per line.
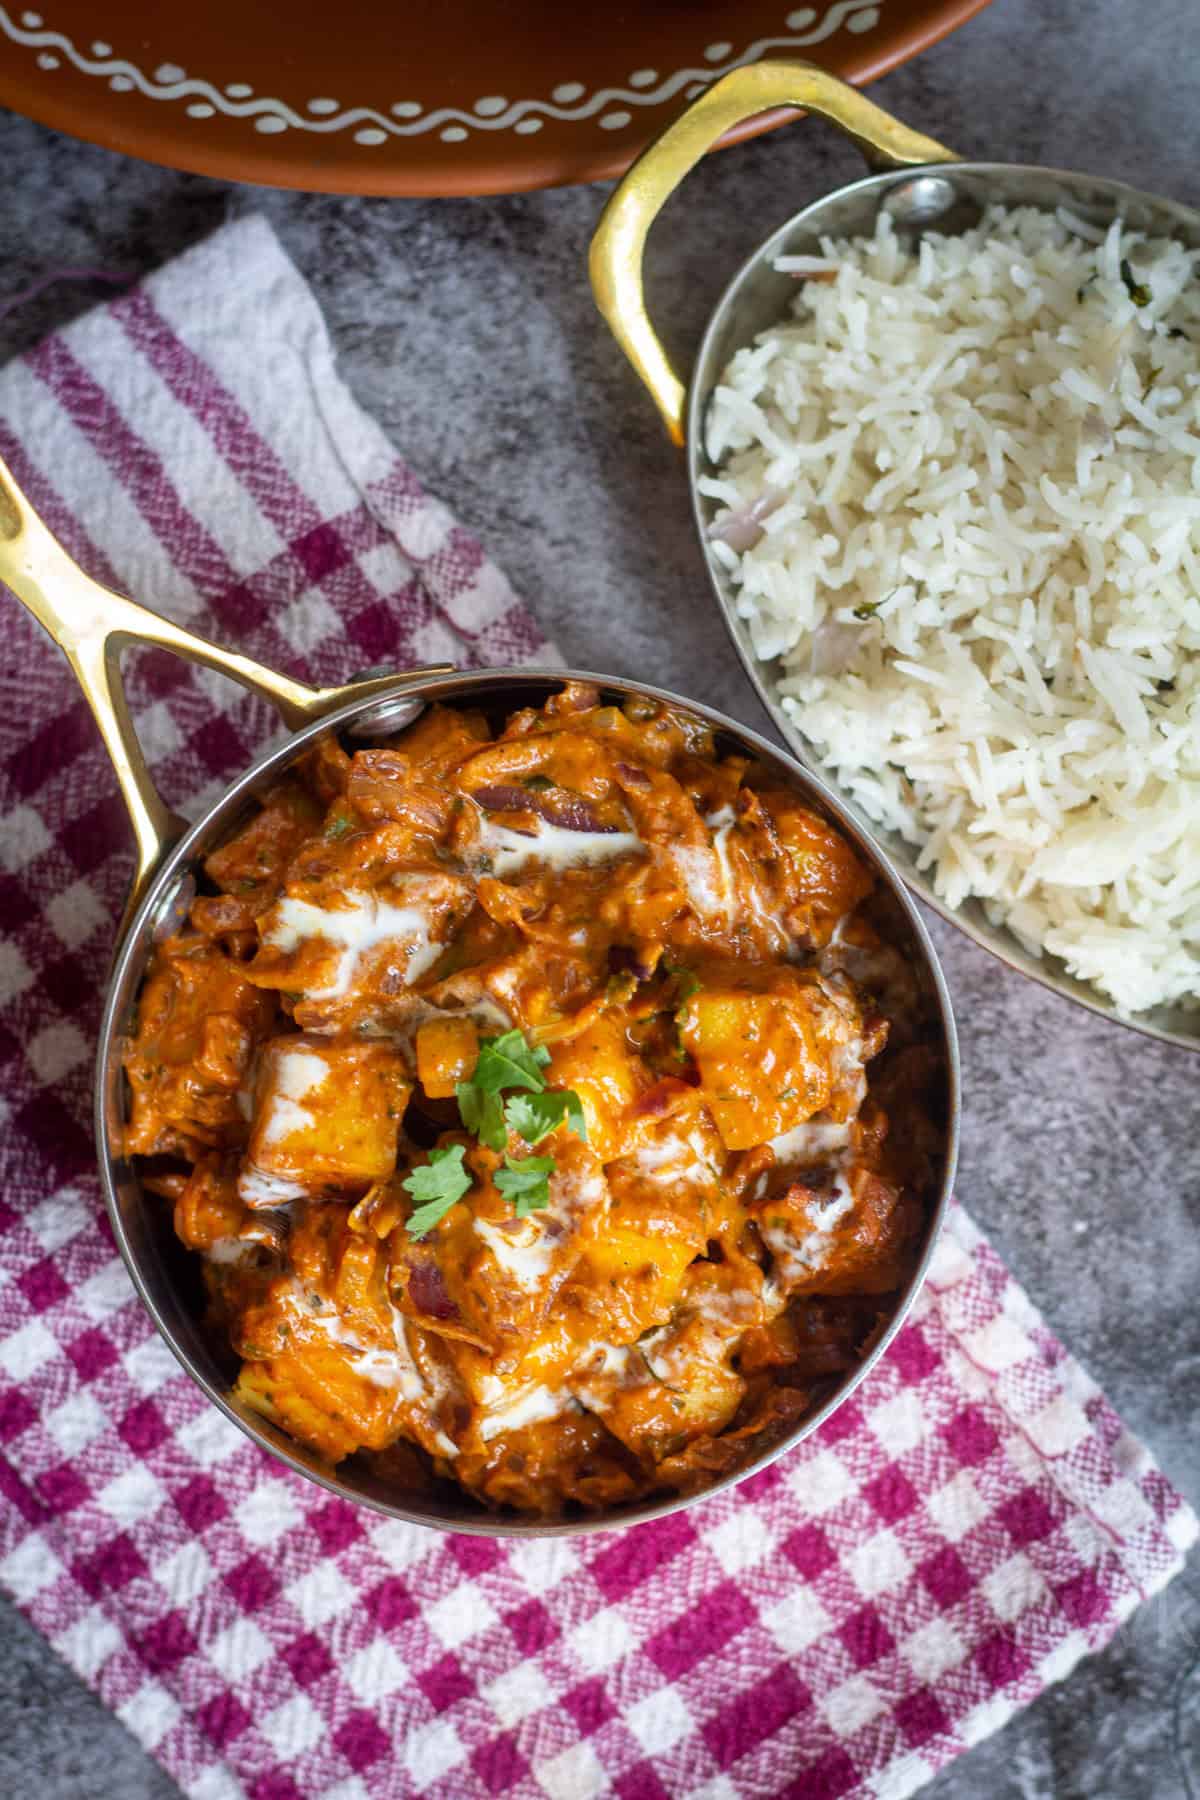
(960,501)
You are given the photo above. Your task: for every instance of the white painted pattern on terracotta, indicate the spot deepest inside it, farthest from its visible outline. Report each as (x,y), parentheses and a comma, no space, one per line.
(569,102)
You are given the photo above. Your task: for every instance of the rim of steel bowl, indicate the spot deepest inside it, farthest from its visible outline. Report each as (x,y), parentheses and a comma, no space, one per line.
(163,1272)
(923,185)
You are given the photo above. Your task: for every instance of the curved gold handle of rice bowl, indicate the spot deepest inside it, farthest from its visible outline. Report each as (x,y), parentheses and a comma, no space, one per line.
(92,626)
(619,242)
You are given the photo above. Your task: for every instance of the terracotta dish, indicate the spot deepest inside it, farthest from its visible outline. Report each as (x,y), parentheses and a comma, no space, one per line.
(421,100)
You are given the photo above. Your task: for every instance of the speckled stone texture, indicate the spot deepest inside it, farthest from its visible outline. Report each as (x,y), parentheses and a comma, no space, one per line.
(467,328)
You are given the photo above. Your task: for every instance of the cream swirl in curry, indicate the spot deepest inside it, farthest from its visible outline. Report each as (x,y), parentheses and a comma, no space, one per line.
(520,1093)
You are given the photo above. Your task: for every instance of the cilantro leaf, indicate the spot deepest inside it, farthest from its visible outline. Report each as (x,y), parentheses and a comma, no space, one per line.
(526,1183)
(534,1116)
(508,1061)
(437,1185)
(483,1114)
(503,1062)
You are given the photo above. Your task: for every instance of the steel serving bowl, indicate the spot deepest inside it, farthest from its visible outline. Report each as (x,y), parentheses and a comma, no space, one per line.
(92,626)
(921,184)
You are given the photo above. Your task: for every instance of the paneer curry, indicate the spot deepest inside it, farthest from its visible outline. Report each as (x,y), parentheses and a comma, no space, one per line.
(545,1106)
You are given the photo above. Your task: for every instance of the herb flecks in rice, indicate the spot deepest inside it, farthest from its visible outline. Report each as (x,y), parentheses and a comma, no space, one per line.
(980,567)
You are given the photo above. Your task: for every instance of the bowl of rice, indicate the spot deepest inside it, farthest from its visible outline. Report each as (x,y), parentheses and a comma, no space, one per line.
(944,445)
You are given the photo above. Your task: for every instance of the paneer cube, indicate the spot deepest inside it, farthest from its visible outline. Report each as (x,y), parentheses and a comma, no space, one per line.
(655,1414)
(770,1053)
(638,1272)
(327,1115)
(597,1064)
(447,1051)
(326,1358)
(334,1422)
(666,1202)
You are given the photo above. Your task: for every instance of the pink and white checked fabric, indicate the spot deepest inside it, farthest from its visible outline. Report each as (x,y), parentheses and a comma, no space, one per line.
(956,1537)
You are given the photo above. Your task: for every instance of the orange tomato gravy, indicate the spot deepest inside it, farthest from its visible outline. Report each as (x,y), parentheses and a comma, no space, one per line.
(691,946)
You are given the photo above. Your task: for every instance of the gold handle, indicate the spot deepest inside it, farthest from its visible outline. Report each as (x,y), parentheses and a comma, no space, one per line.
(620,239)
(92,625)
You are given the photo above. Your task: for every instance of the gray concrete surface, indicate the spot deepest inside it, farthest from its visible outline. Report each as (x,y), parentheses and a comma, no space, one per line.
(467,328)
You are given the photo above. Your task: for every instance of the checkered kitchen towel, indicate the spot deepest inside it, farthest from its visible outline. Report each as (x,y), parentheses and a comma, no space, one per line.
(956,1537)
